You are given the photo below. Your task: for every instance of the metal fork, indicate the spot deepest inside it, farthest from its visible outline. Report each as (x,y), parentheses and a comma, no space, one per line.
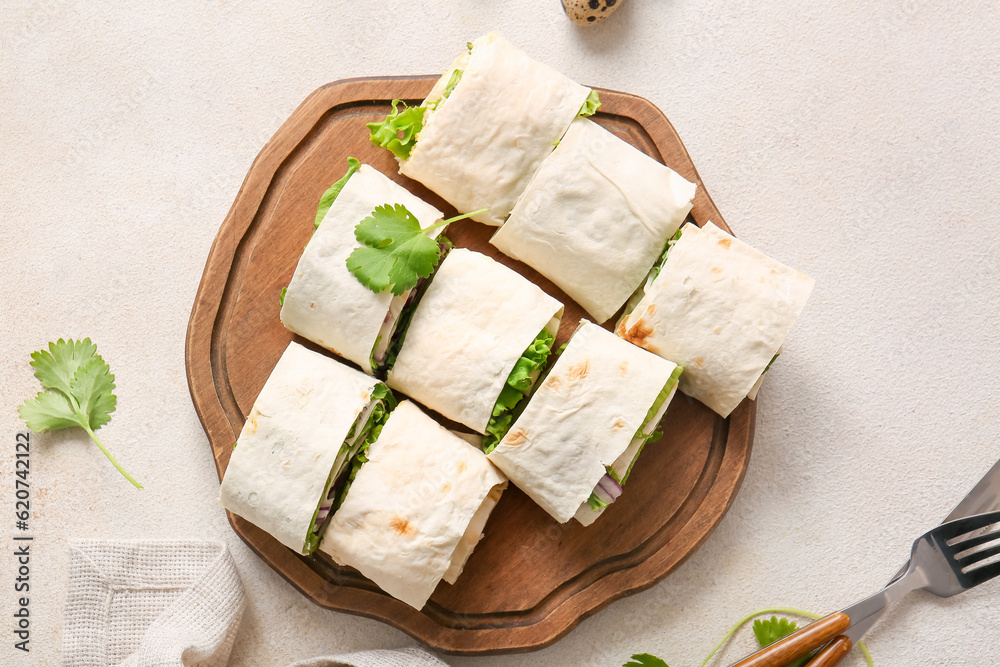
(944,561)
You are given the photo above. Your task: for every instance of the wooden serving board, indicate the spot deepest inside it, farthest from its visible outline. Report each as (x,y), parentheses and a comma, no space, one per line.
(531,580)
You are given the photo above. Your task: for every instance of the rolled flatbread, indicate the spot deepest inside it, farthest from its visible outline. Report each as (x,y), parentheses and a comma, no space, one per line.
(719,308)
(416,509)
(595,217)
(311,416)
(594,409)
(474,321)
(324,302)
(478,148)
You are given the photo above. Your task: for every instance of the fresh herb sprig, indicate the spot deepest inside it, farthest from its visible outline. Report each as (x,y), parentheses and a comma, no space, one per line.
(395,251)
(78,392)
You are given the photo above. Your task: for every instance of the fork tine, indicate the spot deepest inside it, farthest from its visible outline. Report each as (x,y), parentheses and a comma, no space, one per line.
(981,574)
(972,559)
(959,527)
(977,540)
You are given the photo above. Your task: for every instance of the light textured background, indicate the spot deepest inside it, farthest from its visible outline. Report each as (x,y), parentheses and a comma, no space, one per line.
(856,141)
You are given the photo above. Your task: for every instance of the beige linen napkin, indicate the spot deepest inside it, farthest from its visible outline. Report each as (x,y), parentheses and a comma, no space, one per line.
(145,603)
(172,604)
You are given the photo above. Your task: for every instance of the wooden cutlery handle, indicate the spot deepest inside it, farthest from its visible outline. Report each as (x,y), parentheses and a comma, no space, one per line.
(833,653)
(798,643)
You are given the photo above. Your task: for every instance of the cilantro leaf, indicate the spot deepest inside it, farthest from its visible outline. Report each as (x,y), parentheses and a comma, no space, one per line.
(48,411)
(78,392)
(771,630)
(591,105)
(56,367)
(395,251)
(326,201)
(645,660)
(398,132)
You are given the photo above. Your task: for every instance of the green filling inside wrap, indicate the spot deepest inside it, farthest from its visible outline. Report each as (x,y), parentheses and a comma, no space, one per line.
(595,502)
(515,391)
(384,403)
(326,201)
(400,129)
(591,105)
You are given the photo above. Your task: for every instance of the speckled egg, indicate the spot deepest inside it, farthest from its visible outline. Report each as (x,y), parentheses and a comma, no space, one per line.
(588,12)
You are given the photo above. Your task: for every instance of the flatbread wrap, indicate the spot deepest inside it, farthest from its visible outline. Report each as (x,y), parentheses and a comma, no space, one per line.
(477,342)
(595,217)
(719,308)
(573,447)
(415,509)
(324,302)
(309,419)
(485,127)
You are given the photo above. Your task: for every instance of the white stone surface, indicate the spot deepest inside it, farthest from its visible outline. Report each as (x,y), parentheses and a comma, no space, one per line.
(855,141)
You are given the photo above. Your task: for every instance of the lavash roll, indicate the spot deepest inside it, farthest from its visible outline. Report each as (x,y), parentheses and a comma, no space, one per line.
(324,301)
(584,415)
(473,323)
(480,146)
(595,217)
(416,509)
(293,443)
(719,308)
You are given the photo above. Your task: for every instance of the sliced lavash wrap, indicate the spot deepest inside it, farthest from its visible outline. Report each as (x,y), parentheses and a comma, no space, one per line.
(477,342)
(312,415)
(323,301)
(574,445)
(416,508)
(485,127)
(595,217)
(719,308)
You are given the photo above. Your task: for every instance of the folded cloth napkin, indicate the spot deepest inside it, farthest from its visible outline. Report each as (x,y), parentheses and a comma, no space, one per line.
(408,657)
(151,603)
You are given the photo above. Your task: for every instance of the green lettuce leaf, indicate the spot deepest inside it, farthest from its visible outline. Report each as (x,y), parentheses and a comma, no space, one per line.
(377,419)
(590,106)
(326,201)
(653,434)
(385,403)
(666,251)
(595,502)
(456,76)
(516,389)
(398,132)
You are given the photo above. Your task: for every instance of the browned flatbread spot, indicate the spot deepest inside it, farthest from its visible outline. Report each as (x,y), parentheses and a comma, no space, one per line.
(651,309)
(578,371)
(554,382)
(638,334)
(461,466)
(401,526)
(446,488)
(699,362)
(725,243)
(623,368)
(618,425)
(518,437)
(312,305)
(716,270)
